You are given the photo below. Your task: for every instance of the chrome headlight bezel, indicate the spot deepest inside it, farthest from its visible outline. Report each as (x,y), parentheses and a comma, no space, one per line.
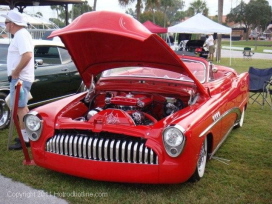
(33,124)
(174,140)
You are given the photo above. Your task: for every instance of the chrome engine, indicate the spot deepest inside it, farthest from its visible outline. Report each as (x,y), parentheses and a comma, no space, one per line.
(144,109)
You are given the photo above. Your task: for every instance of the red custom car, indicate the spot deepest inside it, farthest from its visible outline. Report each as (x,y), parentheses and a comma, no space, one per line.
(148,116)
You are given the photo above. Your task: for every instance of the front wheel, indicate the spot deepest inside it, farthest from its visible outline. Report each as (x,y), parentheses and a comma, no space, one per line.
(241,121)
(4,112)
(201,163)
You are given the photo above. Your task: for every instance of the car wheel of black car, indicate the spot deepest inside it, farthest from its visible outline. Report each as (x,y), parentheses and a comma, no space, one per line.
(201,163)
(4,112)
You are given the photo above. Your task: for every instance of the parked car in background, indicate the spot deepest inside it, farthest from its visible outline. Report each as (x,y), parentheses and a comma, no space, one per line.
(196,46)
(152,117)
(262,37)
(253,36)
(55,75)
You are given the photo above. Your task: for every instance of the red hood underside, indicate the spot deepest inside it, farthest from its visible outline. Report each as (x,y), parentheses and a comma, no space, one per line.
(102,40)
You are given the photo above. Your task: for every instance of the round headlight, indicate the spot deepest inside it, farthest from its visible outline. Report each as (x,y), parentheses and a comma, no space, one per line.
(173,137)
(33,123)
(174,141)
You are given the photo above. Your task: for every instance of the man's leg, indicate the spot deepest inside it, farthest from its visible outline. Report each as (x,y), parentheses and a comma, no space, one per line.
(21,113)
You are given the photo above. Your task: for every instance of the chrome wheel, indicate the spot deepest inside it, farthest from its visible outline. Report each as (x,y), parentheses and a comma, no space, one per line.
(201,163)
(241,122)
(4,114)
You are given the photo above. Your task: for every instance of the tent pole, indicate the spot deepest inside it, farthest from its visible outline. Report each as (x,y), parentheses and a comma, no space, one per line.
(230,48)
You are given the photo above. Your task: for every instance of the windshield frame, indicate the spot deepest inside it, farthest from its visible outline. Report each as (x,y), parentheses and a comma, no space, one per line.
(150,72)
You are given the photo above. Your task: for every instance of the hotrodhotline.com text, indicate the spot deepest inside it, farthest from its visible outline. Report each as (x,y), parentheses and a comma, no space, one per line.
(42,194)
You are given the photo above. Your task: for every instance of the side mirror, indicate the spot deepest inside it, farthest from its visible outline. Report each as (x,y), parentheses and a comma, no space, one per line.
(38,62)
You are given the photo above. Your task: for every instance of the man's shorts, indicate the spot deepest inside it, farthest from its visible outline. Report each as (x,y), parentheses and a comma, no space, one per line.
(211,49)
(24,92)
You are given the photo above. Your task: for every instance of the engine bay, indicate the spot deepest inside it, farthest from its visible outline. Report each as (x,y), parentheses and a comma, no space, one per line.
(142,108)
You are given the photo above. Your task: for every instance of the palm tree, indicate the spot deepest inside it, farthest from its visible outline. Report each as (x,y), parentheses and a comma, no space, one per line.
(198,6)
(94,5)
(138,6)
(165,5)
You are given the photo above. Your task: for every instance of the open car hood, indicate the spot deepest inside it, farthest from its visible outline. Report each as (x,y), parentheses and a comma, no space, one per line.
(102,40)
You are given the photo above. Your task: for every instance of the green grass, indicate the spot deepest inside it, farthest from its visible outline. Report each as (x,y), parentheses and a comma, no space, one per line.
(242,65)
(247,177)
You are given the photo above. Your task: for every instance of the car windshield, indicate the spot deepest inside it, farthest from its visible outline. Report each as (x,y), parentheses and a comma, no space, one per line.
(3,53)
(197,68)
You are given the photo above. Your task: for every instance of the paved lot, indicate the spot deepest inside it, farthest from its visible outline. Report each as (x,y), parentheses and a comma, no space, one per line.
(14,192)
(239,54)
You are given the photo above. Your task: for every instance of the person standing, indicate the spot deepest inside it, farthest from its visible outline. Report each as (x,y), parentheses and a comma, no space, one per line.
(20,66)
(210,43)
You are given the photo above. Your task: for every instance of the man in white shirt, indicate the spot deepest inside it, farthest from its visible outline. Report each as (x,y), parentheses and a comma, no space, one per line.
(210,43)
(20,66)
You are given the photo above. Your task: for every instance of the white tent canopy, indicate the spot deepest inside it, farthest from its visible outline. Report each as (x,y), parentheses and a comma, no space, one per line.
(201,25)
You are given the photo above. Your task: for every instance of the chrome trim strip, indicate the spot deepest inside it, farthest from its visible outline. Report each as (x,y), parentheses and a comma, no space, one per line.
(129,152)
(233,110)
(66,145)
(61,144)
(48,146)
(84,149)
(145,155)
(111,149)
(51,145)
(79,147)
(57,144)
(90,148)
(123,151)
(71,146)
(117,150)
(75,146)
(54,144)
(95,148)
(135,152)
(106,146)
(100,148)
(180,128)
(151,157)
(141,153)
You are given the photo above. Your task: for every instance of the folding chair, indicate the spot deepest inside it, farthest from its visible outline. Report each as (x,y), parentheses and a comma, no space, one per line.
(247,53)
(260,85)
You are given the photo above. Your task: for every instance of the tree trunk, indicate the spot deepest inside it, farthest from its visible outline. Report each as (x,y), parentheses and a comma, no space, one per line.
(138,9)
(94,5)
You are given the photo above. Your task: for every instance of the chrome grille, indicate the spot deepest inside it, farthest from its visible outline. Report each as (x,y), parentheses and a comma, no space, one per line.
(118,149)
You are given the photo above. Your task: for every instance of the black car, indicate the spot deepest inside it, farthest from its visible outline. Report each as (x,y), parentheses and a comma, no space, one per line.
(55,75)
(196,46)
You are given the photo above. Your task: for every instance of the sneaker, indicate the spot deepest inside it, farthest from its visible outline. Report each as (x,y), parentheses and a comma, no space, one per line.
(18,145)
(17,139)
